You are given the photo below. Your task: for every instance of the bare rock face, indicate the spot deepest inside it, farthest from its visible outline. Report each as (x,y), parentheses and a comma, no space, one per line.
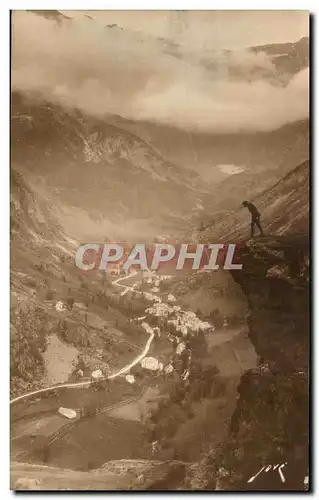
(271,421)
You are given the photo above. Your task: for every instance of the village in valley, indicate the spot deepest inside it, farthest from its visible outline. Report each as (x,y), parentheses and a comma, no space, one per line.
(164,319)
(164,350)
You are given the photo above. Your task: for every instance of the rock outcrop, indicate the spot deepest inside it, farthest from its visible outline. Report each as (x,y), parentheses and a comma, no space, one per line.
(271,423)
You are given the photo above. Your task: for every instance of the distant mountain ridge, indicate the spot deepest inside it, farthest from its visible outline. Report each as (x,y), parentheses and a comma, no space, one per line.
(204,151)
(290,57)
(52,15)
(99,167)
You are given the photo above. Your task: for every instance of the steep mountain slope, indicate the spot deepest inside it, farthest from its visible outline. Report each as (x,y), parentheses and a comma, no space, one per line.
(101,168)
(32,219)
(266,154)
(60,318)
(250,183)
(284,208)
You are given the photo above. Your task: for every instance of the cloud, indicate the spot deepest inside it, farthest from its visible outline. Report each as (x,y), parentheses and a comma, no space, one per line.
(113,71)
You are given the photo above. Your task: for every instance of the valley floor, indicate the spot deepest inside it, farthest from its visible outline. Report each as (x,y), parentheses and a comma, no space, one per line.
(120,431)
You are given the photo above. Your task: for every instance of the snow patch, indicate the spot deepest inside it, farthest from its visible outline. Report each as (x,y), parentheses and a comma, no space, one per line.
(230,169)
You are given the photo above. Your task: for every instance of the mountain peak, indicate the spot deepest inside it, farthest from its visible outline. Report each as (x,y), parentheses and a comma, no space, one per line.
(52,15)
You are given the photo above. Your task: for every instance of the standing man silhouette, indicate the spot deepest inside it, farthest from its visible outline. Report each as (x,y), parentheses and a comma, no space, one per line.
(255,217)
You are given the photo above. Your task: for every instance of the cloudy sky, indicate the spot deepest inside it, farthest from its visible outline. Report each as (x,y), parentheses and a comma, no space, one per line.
(213,29)
(196,87)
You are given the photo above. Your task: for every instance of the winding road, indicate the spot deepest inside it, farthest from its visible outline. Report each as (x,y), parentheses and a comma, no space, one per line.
(87,383)
(123,370)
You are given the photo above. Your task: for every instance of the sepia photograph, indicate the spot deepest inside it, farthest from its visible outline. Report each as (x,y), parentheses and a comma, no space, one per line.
(160,271)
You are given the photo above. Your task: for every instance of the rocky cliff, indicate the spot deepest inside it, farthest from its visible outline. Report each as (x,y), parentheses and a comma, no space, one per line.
(271,423)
